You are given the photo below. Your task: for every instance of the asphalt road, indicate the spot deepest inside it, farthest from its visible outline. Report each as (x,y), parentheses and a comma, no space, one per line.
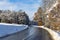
(38,34)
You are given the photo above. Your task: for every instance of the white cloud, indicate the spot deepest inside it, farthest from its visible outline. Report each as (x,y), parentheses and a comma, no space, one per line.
(29,8)
(6,5)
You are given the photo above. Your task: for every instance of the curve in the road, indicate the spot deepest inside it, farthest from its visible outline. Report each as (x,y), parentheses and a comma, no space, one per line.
(42,33)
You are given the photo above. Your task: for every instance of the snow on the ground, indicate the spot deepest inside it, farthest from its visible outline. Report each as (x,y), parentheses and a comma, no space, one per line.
(6,28)
(12,24)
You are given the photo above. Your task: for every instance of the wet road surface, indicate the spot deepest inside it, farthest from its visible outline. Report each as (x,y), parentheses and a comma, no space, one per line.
(38,34)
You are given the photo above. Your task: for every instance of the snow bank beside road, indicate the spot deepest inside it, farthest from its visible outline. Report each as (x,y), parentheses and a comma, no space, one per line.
(12,24)
(6,29)
(54,34)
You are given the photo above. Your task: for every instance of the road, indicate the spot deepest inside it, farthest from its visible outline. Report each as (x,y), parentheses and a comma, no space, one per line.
(36,33)
(31,33)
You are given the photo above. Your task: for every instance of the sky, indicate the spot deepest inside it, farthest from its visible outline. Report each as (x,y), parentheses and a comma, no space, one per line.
(29,6)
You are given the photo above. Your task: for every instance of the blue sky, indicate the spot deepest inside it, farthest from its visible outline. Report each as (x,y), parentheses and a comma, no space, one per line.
(29,6)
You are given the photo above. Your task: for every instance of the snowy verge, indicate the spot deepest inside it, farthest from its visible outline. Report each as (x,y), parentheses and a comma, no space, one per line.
(13,24)
(54,34)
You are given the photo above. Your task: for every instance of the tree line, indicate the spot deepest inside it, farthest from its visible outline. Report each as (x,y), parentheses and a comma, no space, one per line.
(50,19)
(19,17)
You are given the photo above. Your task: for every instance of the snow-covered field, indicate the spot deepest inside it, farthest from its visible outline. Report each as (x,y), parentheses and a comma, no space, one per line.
(6,28)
